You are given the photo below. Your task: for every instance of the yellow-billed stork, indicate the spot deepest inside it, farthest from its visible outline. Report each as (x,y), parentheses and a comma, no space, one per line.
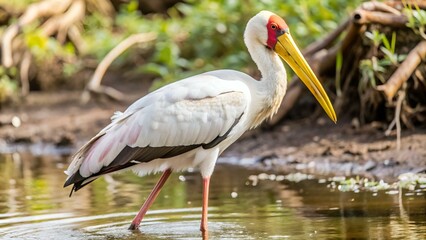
(190,122)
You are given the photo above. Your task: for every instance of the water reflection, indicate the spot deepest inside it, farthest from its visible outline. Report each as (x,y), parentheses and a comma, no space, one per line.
(33,204)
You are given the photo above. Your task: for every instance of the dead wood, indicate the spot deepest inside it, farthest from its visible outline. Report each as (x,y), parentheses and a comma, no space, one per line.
(379,6)
(329,60)
(362,16)
(388,17)
(94,85)
(61,23)
(404,71)
(327,41)
(24,73)
(34,11)
(398,4)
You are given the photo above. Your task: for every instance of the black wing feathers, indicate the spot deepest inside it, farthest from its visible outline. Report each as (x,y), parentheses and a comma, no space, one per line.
(130,156)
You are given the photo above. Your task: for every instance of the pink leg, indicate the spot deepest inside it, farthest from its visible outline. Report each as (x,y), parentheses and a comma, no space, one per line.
(206,186)
(152,196)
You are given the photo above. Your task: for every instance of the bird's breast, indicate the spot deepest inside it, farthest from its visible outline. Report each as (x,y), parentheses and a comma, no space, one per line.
(268,107)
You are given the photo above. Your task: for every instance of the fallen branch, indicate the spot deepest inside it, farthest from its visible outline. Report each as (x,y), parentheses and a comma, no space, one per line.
(404,71)
(94,84)
(104,7)
(34,11)
(24,73)
(410,3)
(327,41)
(362,16)
(328,61)
(379,6)
(109,92)
(75,37)
(7,45)
(43,9)
(75,13)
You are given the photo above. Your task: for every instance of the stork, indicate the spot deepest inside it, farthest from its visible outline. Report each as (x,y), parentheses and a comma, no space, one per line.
(189,123)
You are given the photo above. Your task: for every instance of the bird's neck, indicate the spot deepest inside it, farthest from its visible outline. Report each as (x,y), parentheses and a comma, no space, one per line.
(273,84)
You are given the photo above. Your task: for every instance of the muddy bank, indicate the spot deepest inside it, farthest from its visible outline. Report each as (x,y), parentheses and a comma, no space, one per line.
(326,149)
(318,147)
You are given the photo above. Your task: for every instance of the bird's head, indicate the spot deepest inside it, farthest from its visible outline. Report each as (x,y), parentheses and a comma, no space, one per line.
(272,32)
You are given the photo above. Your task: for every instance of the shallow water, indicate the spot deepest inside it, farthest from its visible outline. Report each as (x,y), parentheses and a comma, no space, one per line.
(33,205)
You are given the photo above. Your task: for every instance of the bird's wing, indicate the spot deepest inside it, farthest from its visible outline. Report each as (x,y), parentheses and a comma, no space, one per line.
(198,111)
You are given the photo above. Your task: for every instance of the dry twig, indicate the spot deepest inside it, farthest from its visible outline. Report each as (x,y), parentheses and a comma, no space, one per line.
(94,86)
(326,41)
(379,6)
(34,11)
(61,23)
(362,16)
(404,71)
(24,73)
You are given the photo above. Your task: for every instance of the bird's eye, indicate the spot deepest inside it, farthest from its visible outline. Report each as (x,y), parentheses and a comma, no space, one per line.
(274,26)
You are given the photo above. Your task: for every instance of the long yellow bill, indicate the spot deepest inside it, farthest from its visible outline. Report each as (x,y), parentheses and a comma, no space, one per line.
(288,51)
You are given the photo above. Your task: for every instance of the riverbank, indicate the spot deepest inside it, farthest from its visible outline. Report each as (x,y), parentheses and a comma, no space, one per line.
(315,147)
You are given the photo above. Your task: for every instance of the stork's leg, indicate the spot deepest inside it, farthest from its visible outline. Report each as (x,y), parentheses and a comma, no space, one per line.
(206,186)
(152,196)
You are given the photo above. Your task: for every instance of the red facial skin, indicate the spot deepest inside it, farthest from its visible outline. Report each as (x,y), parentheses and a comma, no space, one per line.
(276,27)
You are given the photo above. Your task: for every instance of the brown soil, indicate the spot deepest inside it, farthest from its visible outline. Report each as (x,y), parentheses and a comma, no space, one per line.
(323,148)
(318,147)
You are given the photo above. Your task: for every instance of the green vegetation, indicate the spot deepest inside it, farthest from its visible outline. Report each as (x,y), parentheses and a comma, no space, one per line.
(408,181)
(373,68)
(7,85)
(193,37)
(416,19)
(209,35)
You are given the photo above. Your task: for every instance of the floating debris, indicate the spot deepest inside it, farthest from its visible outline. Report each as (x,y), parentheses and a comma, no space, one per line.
(297,177)
(409,181)
(263,176)
(234,194)
(322,180)
(337,179)
(254,180)
(280,178)
(293,177)
(392,192)
(16,121)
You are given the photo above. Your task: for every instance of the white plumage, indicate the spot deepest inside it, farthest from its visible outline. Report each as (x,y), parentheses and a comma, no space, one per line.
(189,123)
(187,112)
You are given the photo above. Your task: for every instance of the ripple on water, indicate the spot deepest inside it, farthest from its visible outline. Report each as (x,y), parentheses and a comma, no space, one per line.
(158,224)
(34,205)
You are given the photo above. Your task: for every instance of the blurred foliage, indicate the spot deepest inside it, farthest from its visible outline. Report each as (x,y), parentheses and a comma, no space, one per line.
(199,36)
(416,19)
(209,35)
(16,4)
(44,48)
(372,69)
(8,85)
(193,37)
